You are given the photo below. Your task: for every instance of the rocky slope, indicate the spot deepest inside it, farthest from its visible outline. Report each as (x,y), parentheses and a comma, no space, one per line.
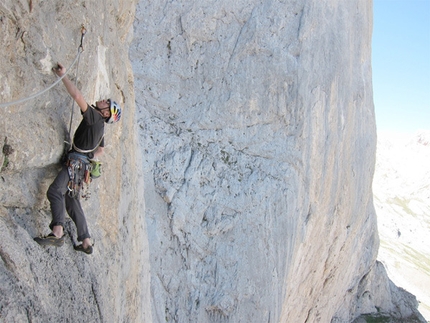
(237,187)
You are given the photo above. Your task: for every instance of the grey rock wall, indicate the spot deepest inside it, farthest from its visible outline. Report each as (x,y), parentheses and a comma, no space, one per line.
(258,137)
(44,284)
(237,186)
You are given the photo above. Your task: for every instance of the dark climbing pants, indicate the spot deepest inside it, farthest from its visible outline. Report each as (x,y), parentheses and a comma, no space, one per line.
(60,201)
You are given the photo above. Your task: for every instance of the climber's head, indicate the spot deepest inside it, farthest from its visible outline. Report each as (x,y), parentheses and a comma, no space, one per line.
(115,112)
(110,110)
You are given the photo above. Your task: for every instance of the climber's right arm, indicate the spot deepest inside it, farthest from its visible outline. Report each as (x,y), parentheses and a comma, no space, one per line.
(60,70)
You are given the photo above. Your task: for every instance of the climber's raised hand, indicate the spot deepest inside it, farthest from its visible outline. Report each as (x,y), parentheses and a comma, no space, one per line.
(59,69)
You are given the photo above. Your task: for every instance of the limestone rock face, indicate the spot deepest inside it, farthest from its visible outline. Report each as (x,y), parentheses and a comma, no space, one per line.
(59,285)
(237,186)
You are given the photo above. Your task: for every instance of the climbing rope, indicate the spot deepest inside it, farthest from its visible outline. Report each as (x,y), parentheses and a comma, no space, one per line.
(80,50)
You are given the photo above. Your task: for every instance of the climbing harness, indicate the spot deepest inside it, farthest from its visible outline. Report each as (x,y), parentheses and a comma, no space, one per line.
(79,169)
(80,50)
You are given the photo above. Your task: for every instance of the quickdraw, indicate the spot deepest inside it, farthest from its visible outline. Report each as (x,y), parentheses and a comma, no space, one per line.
(83,32)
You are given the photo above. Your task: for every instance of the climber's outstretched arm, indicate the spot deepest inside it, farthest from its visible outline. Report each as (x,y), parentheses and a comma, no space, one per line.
(60,70)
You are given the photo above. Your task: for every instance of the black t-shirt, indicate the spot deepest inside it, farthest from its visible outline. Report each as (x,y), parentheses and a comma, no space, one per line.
(90,132)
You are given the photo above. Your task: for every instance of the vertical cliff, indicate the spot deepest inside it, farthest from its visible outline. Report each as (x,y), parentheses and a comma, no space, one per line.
(237,186)
(258,135)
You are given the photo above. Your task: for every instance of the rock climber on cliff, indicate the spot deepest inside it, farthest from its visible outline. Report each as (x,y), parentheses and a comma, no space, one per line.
(88,143)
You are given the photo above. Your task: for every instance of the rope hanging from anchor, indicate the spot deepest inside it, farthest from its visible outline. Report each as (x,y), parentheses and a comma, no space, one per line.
(80,50)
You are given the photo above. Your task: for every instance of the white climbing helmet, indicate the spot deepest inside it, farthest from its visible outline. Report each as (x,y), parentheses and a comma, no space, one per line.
(115,112)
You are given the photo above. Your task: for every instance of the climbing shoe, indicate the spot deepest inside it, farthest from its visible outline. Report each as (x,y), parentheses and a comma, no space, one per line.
(80,247)
(50,240)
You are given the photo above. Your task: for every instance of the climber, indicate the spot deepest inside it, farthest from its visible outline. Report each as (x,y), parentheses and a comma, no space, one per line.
(88,143)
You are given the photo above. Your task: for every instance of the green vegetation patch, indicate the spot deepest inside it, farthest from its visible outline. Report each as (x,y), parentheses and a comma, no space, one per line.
(376,318)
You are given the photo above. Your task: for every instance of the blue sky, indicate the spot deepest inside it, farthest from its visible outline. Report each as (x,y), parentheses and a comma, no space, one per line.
(401,64)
